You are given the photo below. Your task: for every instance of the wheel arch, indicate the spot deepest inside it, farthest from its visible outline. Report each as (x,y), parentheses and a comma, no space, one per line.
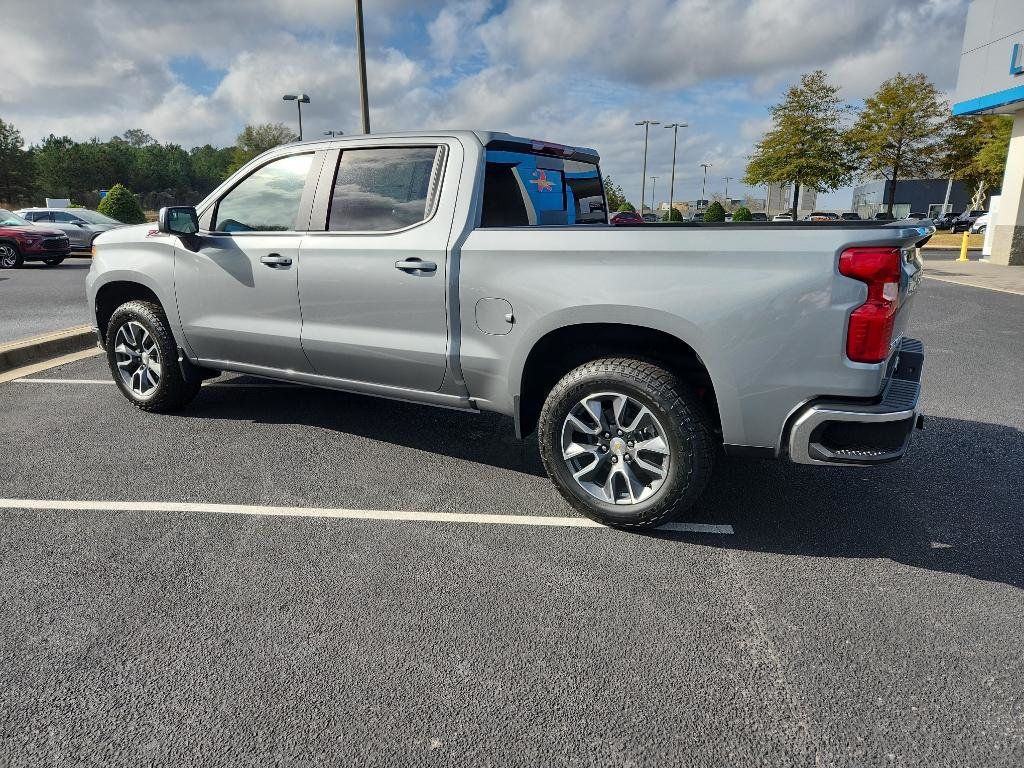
(561,349)
(120,290)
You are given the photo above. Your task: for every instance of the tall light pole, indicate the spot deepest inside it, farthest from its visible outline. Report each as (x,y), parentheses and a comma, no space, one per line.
(672,184)
(364,99)
(654,190)
(299,99)
(727,180)
(704,186)
(643,178)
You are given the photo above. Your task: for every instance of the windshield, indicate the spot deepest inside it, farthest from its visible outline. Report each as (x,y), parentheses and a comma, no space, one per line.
(8,219)
(93,217)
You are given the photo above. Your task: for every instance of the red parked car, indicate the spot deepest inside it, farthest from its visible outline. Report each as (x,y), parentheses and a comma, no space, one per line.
(21,241)
(626,217)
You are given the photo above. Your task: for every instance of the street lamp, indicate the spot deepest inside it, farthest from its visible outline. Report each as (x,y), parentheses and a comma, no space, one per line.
(364,99)
(704,186)
(334,133)
(299,100)
(672,184)
(643,178)
(727,180)
(654,187)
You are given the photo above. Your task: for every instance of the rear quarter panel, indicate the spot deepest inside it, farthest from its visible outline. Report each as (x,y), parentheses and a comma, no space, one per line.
(765,309)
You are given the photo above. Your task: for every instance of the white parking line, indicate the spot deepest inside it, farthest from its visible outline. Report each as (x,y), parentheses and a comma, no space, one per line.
(351,514)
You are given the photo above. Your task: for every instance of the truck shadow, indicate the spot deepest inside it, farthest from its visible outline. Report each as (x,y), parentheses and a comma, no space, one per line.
(953,504)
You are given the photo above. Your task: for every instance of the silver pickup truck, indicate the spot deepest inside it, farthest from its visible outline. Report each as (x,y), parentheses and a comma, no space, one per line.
(478,271)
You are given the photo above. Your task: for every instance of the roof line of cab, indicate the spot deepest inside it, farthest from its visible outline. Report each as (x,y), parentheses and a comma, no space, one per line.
(489,139)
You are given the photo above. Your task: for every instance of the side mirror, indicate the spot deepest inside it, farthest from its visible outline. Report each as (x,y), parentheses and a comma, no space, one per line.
(181,220)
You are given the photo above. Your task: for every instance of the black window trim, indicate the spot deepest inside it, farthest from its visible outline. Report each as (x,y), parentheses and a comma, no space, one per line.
(320,217)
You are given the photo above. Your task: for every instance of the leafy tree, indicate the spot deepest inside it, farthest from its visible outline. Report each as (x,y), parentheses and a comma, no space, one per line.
(209,166)
(901,130)
(975,150)
(805,143)
(613,192)
(16,166)
(742,214)
(121,204)
(257,139)
(672,214)
(137,137)
(715,212)
(55,166)
(626,207)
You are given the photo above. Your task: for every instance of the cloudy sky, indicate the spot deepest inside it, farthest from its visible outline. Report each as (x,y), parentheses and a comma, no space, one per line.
(573,71)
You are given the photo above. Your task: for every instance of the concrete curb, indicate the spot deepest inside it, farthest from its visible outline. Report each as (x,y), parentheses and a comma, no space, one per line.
(16,354)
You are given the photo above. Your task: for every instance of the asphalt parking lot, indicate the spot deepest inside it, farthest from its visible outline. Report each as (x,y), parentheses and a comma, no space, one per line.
(802,616)
(37,299)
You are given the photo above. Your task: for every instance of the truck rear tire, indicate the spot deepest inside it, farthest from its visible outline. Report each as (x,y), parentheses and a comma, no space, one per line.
(626,443)
(143,359)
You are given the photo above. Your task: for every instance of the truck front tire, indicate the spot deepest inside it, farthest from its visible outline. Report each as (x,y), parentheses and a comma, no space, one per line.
(143,358)
(626,443)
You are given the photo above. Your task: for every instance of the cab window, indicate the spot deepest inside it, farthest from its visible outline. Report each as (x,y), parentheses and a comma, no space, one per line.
(267,200)
(523,189)
(383,189)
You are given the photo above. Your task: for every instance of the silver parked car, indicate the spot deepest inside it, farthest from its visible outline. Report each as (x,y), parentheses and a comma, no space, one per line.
(80,224)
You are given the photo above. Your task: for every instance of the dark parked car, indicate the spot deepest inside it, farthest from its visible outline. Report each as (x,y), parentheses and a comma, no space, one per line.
(850,216)
(759,217)
(22,241)
(945,221)
(965,221)
(626,217)
(651,218)
(883,216)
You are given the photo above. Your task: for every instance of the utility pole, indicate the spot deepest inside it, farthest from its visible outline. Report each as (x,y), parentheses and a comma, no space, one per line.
(654,188)
(299,99)
(704,186)
(672,184)
(643,177)
(364,99)
(727,180)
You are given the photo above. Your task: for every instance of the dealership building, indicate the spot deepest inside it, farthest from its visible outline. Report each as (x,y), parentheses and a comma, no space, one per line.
(991,81)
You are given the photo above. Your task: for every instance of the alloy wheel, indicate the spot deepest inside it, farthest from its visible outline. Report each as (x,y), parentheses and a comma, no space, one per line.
(8,256)
(138,359)
(615,448)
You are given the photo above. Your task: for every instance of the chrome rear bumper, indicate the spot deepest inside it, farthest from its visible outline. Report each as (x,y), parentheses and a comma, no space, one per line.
(863,433)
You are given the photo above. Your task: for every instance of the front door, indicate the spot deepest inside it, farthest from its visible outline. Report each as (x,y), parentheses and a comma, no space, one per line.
(237,287)
(373,280)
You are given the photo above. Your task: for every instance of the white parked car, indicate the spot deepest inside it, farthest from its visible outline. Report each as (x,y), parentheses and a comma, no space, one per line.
(980,224)
(782,217)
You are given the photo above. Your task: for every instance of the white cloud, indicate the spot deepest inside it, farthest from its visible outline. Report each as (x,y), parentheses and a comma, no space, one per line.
(560,69)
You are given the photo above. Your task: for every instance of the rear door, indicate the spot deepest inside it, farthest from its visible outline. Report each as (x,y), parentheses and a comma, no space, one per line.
(68,223)
(236,287)
(374,274)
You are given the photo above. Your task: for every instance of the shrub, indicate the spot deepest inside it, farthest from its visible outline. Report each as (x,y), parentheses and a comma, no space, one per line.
(626,207)
(742,214)
(714,213)
(121,204)
(672,214)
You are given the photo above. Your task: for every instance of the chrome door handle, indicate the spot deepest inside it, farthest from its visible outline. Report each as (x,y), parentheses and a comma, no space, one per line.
(276,260)
(416,265)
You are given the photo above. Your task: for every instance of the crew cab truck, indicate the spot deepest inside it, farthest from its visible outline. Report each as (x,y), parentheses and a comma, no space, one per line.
(477,270)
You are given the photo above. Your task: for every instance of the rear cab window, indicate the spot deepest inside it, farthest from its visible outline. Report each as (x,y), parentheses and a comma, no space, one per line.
(524,189)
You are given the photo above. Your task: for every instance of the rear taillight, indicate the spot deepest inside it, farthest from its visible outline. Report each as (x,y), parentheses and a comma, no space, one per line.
(869,334)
